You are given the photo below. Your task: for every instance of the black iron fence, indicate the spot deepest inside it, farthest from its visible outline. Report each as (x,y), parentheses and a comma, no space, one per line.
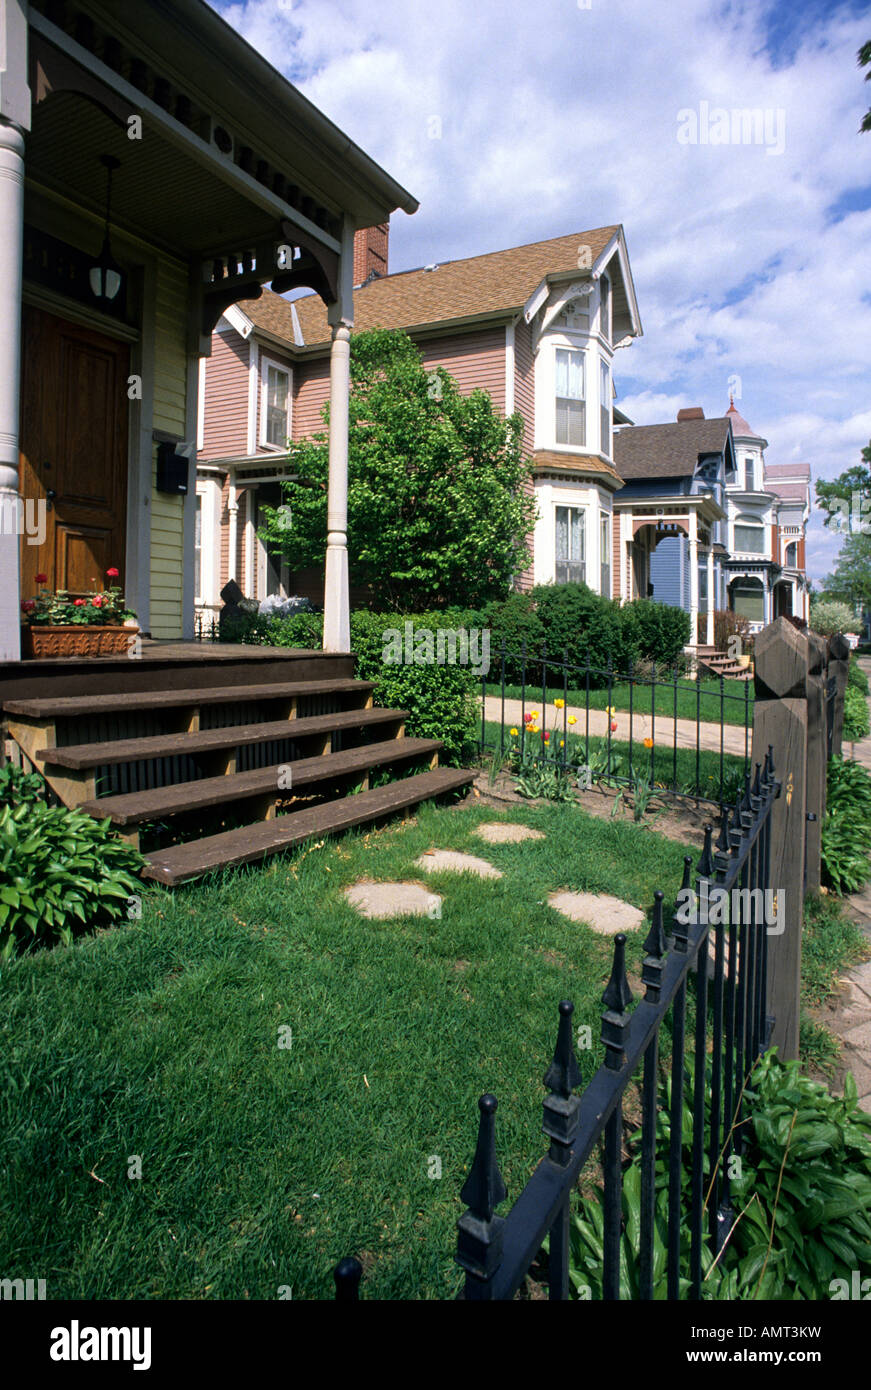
(726,954)
(683,737)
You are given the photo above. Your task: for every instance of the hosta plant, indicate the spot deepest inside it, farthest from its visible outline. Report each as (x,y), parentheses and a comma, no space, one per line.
(61,873)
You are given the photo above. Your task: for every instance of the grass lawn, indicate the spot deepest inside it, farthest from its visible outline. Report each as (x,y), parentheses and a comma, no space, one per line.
(662,767)
(262,1166)
(706,693)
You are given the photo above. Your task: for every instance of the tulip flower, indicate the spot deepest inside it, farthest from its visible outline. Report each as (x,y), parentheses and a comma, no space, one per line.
(559,704)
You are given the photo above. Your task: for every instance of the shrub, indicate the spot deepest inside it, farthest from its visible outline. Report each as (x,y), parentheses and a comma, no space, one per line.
(658,631)
(585,625)
(61,872)
(514,620)
(855,715)
(845,834)
(828,616)
(728,624)
(856,678)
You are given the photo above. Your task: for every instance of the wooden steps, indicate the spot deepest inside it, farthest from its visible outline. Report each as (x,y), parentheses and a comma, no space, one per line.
(176,746)
(180,863)
(85,755)
(271,782)
(127,702)
(717,663)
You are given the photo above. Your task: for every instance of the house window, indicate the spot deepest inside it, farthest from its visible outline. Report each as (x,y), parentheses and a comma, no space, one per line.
(748,475)
(571,426)
(198,548)
(605,307)
(275,408)
(605,407)
(570,546)
(749,536)
(703,584)
(604,555)
(748,599)
(791,556)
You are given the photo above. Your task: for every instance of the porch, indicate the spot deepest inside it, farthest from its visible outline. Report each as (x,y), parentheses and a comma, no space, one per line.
(686,526)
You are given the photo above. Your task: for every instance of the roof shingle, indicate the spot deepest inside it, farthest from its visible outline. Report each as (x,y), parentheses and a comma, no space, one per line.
(668,451)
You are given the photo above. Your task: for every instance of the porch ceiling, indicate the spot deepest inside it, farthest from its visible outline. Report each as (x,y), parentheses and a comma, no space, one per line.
(159,194)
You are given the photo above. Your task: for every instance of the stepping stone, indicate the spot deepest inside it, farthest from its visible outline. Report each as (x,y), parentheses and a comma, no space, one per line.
(507,832)
(604,914)
(393,900)
(456,863)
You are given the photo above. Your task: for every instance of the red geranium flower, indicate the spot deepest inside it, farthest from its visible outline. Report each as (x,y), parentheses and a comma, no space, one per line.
(97,601)
(42,579)
(28,605)
(79,602)
(112,574)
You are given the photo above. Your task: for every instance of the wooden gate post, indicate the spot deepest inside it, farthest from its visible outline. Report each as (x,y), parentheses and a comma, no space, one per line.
(816,757)
(780,720)
(839,664)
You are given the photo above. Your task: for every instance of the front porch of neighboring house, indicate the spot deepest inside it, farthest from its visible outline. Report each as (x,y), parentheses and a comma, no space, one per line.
(759,593)
(683,527)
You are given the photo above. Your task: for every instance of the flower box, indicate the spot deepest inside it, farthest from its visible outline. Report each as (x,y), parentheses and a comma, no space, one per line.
(41,642)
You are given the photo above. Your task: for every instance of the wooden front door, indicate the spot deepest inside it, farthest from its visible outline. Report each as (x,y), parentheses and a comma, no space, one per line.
(74,450)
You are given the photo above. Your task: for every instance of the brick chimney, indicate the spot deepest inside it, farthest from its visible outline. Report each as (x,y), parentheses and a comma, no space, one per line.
(691,412)
(370,252)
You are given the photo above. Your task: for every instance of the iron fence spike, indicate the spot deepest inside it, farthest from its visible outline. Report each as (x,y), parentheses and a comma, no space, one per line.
(563,1074)
(617,994)
(347,1275)
(484,1188)
(705,865)
(654,944)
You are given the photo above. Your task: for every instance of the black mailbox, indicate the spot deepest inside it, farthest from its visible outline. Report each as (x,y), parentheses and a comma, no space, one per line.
(172,470)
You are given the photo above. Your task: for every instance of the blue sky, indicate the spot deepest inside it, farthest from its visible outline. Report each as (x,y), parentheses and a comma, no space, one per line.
(514,121)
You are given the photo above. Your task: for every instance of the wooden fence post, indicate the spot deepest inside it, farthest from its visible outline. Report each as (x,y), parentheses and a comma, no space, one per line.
(780,720)
(816,757)
(839,664)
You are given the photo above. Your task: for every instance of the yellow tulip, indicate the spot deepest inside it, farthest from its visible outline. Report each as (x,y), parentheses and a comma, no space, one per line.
(559,704)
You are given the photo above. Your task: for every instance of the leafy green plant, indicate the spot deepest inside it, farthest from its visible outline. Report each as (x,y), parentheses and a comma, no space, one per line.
(856,677)
(17,786)
(844,852)
(828,616)
(802,1199)
(61,872)
(855,715)
(97,609)
(848,788)
(658,631)
(545,779)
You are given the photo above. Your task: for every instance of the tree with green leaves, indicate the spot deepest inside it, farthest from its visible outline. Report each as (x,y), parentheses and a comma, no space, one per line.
(846,500)
(864,59)
(439,499)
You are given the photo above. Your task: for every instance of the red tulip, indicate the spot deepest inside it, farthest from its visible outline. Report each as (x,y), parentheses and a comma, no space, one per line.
(613,726)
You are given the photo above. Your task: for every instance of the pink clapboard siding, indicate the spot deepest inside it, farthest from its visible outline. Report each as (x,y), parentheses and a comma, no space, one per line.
(226,408)
(473,360)
(311,390)
(524,404)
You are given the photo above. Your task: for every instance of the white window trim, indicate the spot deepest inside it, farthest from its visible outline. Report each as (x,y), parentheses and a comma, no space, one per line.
(265,364)
(209,489)
(584,354)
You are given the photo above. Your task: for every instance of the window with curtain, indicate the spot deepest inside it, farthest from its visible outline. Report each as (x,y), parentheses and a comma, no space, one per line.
(570,546)
(198,548)
(748,475)
(276,428)
(571,418)
(749,536)
(605,555)
(605,407)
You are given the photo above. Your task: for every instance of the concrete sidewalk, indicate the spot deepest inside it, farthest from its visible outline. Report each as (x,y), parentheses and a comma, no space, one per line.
(641,724)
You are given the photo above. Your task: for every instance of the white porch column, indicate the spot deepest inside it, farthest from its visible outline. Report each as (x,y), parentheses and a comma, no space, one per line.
(233,512)
(694,578)
(337,606)
(11,239)
(709,636)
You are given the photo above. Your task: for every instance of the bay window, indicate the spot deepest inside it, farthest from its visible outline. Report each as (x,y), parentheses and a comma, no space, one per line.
(605,408)
(749,536)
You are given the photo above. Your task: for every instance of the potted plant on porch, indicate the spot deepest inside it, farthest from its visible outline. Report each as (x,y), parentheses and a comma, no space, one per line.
(57,624)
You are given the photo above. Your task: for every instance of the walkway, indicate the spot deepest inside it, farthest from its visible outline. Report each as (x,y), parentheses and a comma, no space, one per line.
(641,726)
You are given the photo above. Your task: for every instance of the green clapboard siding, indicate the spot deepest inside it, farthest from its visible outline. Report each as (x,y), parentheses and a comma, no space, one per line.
(170,385)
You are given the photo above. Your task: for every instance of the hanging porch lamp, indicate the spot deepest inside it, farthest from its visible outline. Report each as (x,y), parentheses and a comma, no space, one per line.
(106,276)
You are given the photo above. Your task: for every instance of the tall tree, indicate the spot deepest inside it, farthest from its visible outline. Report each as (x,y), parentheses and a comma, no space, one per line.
(439,496)
(846,500)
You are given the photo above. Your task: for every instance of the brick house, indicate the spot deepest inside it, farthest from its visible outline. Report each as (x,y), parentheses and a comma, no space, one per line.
(537,326)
